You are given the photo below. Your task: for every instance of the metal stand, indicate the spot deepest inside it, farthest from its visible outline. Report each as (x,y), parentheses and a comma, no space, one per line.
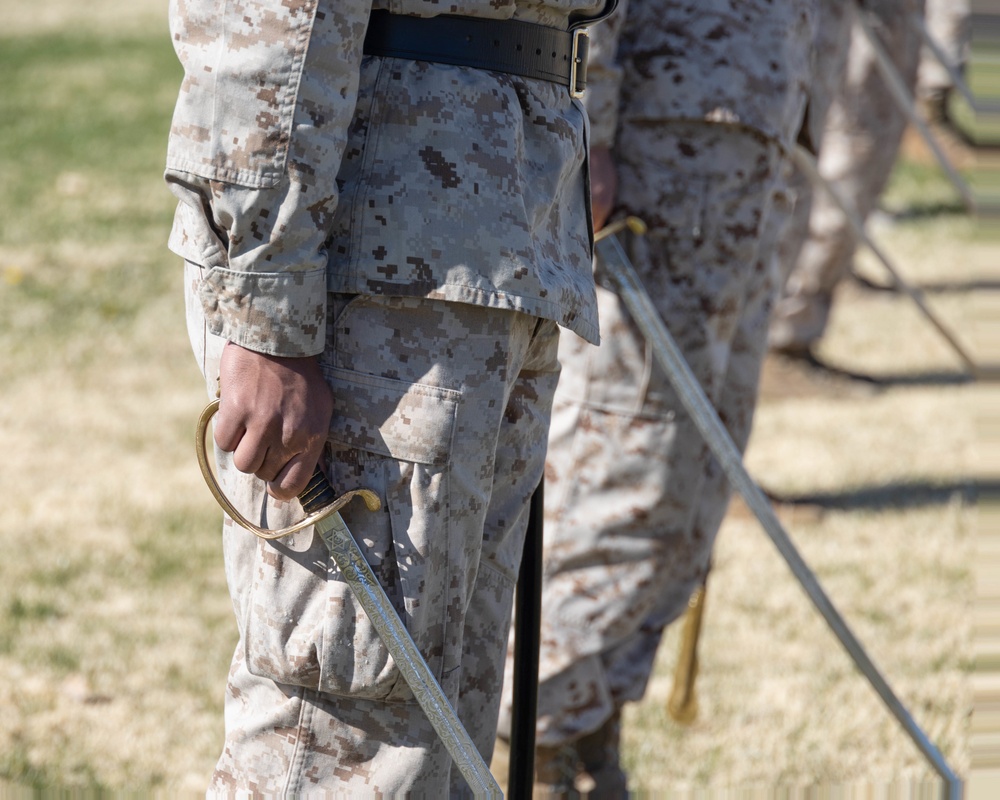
(527,630)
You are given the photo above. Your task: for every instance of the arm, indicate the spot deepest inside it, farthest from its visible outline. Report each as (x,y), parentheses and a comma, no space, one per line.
(603,185)
(256,143)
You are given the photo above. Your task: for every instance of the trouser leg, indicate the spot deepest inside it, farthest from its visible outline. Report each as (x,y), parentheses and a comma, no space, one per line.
(626,465)
(862,136)
(630,665)
(948,24)
(314,702)
(520,462)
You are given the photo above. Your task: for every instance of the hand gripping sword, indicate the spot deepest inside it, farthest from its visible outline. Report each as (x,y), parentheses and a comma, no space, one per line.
(667,353)
(322,507)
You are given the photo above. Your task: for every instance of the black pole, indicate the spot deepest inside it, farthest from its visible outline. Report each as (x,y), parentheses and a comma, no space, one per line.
(527,630)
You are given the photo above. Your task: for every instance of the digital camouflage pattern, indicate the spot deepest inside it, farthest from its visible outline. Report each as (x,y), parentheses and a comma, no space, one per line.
(704,57)
(826,68)
(301,165)
(633,499)
(861,135)
(438,406)
(422,228)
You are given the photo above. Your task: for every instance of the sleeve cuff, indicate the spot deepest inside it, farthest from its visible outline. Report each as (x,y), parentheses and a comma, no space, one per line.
(277,313)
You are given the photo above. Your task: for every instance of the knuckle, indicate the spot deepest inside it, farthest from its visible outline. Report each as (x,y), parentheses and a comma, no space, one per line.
(223,440)
(242,462)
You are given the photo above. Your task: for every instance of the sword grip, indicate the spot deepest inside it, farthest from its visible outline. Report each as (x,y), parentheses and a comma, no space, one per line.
(318,493)
(318,498)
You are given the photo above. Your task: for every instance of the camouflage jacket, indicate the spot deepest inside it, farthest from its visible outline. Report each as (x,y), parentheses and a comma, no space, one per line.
(715,60)
(303,166)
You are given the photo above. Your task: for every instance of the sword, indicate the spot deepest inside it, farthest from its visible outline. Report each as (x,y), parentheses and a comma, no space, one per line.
(322,507)
(631,291)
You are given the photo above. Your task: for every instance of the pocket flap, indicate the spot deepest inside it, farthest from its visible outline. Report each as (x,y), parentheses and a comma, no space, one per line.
(405,421)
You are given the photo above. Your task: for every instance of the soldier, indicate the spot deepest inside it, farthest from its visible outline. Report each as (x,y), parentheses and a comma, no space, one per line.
(948,25)
(378,252)
(690,120)
(860,136)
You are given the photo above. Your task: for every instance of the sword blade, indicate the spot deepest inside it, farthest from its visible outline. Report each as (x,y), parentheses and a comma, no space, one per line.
(684,382)
(425,687)
(321,505)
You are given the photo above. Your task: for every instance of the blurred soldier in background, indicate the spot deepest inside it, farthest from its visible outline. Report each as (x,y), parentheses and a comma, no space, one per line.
(948,25)
(692,103)
(857,145)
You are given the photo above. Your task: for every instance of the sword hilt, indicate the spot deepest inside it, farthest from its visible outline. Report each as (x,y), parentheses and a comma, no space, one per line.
(318,493)
(634,224)
(318,499)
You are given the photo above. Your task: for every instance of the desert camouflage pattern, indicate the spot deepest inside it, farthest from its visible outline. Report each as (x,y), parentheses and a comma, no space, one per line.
(857,150)
(302,166)
(604,77)
(829,59)
(703,53)
(442,409)
(948,24)
(422,229)
(633,498)
(644,478)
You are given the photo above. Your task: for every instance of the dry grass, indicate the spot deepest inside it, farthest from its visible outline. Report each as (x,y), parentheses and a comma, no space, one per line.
(94,16)
(115,626)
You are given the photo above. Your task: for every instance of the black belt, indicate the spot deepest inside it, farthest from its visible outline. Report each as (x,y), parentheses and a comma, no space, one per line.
(519,48)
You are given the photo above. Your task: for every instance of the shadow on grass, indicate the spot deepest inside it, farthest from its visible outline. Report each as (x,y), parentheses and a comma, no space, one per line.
(898,380)
(931,287)
(898,495)
(923,211)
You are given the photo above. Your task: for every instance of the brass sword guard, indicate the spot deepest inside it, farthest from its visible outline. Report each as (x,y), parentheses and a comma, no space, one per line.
(318,498)
(634,224)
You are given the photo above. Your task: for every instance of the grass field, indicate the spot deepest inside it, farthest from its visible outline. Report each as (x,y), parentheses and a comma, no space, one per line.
(115,625)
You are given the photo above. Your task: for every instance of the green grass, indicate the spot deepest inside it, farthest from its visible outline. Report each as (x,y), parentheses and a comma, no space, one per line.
(118,595)
(83,113)
(168,553)
(917,191)
(983,78)
(984,69)
(84,214)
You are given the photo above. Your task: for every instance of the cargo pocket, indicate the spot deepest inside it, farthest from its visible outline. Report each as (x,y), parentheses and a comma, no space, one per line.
(303,625)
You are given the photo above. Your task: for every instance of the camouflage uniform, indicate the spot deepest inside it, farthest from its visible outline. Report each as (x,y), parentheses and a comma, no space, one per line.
(948,24)
(699,104)
(857,149)
(424,228)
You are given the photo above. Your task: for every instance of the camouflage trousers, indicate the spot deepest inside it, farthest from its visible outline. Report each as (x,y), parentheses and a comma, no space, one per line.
(948,24)
(633,500)
(861,136)
(443,409)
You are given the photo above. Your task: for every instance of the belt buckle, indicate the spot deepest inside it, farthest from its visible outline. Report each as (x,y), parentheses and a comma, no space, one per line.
(575,61)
